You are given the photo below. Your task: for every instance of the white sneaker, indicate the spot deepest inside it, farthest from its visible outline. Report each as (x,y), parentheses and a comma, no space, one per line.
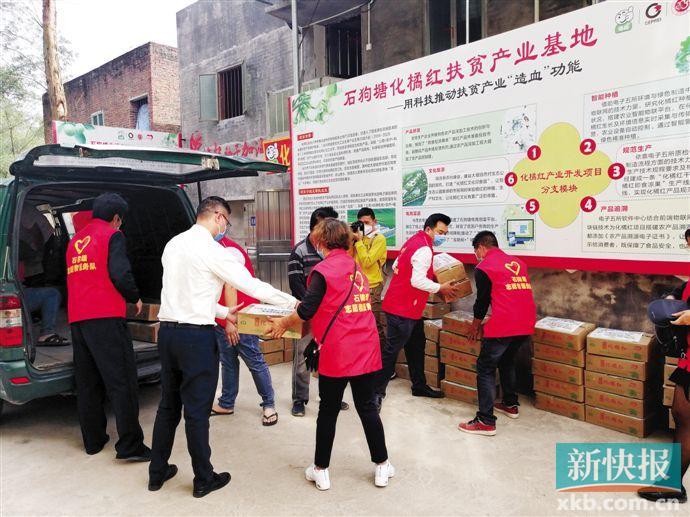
(319,476)
(383,473)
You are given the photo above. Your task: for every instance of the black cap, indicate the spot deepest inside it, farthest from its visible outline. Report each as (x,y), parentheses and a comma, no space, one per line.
(661,312)
(107,205)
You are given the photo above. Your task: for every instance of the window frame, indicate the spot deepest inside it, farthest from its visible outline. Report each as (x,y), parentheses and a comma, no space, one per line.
(285,93)
(243,89)
(95,115)
(215,97)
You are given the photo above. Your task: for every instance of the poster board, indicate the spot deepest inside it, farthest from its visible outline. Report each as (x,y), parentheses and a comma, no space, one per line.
(568,138)
(76,133)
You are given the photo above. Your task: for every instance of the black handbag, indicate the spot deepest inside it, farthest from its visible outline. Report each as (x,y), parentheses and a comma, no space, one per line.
(311,352)
(672,338)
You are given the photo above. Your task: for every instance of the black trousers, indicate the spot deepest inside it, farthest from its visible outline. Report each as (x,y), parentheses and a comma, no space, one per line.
(407,333)
(104,365)
(331,391)
(189,375)
(498,353)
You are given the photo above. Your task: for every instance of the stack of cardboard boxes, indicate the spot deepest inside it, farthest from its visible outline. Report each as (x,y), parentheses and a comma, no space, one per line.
(401,368)
(274,350)
(669,388)
(459,357)
(558,366)
(143,326)
(446,269)
(433,369)
(622,381)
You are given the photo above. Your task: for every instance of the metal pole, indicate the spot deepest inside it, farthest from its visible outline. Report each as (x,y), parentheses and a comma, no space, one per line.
(467,21)
(536,11)
(295,49)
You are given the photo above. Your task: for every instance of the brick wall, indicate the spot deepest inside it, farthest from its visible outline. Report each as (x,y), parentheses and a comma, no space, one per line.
(111,87)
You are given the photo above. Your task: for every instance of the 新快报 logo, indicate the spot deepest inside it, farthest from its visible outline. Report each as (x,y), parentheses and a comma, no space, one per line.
(617,467)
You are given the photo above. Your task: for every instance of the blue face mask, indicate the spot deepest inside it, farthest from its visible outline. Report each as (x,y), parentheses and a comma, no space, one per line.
(439,239)
(219,236)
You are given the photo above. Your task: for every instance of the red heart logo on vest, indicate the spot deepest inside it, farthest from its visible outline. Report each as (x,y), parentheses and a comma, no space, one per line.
(82,243)
(358,278)
(513,267)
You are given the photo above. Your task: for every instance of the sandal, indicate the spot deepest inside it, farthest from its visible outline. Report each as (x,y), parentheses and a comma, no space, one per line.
(215,412)
(269,420)
(54,340)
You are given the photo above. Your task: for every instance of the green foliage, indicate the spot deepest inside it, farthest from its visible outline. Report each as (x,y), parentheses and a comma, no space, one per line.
(19,132)
(305,111)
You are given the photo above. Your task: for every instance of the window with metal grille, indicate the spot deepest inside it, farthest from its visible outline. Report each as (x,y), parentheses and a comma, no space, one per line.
(230,90)
(344,48)
(277,111)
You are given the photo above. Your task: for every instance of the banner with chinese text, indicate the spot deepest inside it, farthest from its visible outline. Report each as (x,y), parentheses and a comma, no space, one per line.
(569,138)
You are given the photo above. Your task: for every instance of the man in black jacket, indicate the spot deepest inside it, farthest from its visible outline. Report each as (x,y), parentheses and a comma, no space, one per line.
(302,260)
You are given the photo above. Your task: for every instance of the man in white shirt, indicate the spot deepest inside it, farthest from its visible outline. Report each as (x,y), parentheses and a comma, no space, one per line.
(195,269)
(404,304)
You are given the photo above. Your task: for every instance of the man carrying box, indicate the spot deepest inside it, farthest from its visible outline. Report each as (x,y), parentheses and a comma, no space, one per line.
(502,282)
(370,253)
(404,304)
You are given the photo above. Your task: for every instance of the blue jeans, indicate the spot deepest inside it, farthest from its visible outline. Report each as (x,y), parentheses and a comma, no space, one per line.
(248,349)
(47,299)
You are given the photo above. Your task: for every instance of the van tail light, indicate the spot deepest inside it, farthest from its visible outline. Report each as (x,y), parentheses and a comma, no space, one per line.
(11,331)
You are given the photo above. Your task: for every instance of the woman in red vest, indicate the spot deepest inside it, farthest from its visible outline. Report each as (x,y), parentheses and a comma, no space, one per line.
(350,351)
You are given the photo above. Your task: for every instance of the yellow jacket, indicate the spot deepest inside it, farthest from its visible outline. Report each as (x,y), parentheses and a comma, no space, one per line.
(370,254)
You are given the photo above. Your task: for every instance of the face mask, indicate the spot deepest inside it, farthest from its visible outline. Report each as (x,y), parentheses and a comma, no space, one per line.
(368,229)
(439,239)
(320,253)
(219,236)
(479,259)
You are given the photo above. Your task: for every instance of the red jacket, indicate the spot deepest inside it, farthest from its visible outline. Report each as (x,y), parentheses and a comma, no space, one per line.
(684,363)
(352,345)
(513,312)
(90,292)
(402,299)
(241,297)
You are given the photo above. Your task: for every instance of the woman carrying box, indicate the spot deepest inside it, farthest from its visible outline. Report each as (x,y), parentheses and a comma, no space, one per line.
(338,304)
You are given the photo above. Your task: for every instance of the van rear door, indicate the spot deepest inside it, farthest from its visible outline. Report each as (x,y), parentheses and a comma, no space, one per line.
(150,166)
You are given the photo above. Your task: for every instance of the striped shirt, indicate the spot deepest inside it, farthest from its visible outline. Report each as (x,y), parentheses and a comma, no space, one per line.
(302,260)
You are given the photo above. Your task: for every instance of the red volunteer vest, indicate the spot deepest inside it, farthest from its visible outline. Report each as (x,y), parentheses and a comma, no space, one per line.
(352,345)
(685,363)
(90,292)
(513,312)
(241,297)
(402,299)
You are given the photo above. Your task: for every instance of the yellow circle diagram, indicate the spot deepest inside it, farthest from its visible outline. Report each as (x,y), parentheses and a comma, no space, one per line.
(562,175)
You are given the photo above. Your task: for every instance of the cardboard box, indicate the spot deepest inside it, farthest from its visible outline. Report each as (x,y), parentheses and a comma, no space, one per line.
(636,346)
(435,298)
(559,355)
(561,389)
(402,358)
(432,329)
(270,345)
(140,331)
(560,406)
(638,408)
(671,421)
(558,371)
(402,371)
(458,322)
(668,395)
(459,343)
(254,320)
(614,366)
(461,376)
(433,379)
(455,358)
(618,385)
(274,358)
(149,312)
(431,364)
(448,269)
(668,370)
(287,356)
(563,333)
(459,392)
(463,288)
(435,310)
(639,427)
(671,360)
(431,348)
(288,344)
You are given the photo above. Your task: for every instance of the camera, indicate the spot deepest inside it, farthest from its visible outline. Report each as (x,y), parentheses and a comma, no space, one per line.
(357,226)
